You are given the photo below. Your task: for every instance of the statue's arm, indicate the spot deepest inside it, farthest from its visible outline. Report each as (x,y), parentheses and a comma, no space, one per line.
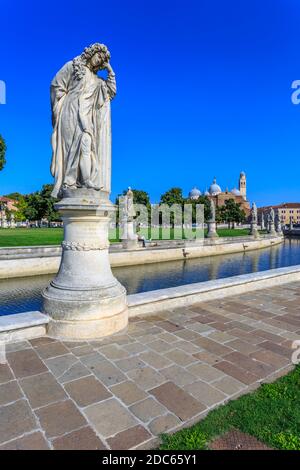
(111,81)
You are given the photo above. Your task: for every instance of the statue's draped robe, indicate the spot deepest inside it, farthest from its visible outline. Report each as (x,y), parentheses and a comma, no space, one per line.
(78,106)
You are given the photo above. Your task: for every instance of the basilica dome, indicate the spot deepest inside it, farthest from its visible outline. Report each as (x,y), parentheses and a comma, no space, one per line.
(236,192)
(214,188)
(195,193)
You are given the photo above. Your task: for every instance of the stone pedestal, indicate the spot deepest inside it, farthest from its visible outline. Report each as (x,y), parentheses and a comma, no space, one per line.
(129,238)
(272,230)
(212,231)
(279,228)
(85,300)
(4,223)
(254,230)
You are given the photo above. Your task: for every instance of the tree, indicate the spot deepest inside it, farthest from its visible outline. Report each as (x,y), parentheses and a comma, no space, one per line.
(47,203)
(172,196)
(33,206)
(201,200)
(40,205)
(2,153)
(232,213)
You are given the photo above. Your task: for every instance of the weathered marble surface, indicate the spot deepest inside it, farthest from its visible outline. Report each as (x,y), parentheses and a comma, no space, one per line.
(81,139)
(84,300)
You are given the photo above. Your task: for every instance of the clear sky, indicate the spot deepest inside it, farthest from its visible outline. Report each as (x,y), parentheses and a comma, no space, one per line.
(204,90)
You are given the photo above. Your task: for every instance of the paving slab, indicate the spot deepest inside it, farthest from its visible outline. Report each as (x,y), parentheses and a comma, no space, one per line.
(166,371)
(110,417)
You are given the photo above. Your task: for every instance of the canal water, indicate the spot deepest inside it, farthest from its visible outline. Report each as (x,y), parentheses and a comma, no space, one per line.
(24,294)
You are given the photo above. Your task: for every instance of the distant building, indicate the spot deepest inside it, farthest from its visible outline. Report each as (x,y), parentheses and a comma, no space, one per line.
(285,211)
(8,203)
(238,195)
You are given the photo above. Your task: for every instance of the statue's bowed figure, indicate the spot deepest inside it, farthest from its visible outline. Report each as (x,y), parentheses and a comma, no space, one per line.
(81,139)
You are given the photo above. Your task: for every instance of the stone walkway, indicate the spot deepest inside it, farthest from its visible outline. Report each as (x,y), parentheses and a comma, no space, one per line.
(166,371)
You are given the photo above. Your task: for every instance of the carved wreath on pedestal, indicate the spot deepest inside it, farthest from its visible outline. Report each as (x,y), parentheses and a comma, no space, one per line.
(77,246)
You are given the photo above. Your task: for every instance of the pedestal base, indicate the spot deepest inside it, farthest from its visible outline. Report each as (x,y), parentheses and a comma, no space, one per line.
(272,231)
(130,244)
(254,230)
(212,232)
(129,238)
(85,300)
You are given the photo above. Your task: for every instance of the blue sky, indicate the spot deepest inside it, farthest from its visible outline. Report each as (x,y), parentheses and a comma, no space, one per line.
(204,90)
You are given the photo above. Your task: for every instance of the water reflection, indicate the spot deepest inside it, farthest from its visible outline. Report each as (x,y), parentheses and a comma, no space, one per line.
(19,295)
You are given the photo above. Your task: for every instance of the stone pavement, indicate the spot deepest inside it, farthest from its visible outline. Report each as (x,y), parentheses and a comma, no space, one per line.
(164,372)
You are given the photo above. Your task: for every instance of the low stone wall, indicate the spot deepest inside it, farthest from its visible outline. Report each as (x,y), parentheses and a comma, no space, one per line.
(33,261)
(181,296)
(33,324)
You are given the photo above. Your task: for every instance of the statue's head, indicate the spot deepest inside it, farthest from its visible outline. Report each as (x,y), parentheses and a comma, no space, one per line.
(96,56)
(93,56)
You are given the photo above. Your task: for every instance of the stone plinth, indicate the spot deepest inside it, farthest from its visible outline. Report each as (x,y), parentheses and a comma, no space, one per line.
(212,231)
(254,230)
(129,238)
(85,300)
(272,230)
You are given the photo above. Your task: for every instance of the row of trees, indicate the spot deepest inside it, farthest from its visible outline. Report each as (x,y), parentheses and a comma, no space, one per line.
(40,204)
(230,213)
(35,206)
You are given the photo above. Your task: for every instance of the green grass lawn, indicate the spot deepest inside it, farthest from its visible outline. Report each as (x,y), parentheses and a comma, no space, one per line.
(271,414)
(30,236)
(54,236)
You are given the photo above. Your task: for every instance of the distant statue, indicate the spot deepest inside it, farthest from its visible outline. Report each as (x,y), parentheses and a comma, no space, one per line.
(254,213)
(128,235)
(12,221)
(129,206)
(272,216)
(212,211)
(81,139)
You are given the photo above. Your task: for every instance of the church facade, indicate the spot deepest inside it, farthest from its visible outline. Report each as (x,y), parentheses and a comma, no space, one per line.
(239,195)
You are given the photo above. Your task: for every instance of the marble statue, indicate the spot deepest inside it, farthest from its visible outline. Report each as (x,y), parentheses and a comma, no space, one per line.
(254,213)
(211,224)
(4,223)
(254,229)
(129,206)
(278,226)
(272,230)
(12,221)
(84,300)
(212,211)
(128,235)
(81,138)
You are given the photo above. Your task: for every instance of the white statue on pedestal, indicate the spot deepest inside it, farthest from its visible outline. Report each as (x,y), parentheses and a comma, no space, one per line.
(129,237)
(81,139)
(84,300)
(254,229)
(212,232)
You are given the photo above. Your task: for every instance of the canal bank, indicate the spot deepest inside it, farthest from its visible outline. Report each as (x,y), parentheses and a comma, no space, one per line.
(34,261)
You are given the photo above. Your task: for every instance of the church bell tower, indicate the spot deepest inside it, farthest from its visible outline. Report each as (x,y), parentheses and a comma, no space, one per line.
(243,185)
